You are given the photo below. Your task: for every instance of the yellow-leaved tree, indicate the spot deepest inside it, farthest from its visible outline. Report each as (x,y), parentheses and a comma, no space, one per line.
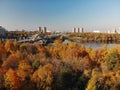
(43,77)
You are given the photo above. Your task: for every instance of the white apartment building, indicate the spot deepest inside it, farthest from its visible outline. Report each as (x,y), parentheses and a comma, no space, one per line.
(78,30)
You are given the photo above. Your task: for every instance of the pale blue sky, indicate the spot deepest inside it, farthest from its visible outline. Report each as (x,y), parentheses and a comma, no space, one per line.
(60,14)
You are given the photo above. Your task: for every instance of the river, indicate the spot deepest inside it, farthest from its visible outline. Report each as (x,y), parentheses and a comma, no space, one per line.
(94,45)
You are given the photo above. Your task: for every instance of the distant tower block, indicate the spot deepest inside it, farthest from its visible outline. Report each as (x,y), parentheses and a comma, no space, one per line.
(40,29)
(45,29)
(78,29)
(81,30)
(74,29)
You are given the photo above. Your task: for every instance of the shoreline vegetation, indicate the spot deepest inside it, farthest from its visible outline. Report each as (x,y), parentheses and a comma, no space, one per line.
(94,37)
(62,67)
(75,37)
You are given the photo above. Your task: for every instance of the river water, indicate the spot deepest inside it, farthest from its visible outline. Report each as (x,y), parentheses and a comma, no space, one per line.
(94,45)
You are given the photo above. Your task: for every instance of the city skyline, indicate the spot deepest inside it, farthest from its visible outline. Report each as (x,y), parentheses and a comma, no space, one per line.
(60,15)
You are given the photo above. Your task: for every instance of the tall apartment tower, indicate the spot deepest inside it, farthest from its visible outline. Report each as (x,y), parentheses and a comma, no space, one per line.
(81,30)
(74,29)
(40,29)
(45,29)
(78,29)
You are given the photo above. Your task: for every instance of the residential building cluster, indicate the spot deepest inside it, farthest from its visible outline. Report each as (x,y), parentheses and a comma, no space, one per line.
(43,30)
(78,30)
(115,31)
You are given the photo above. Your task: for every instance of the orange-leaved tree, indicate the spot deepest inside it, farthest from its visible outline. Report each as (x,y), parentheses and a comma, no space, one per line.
(2,51)
(12,81)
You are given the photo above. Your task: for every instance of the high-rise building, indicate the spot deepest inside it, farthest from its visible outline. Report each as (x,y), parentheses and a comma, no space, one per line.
(78,29)
(40,29)
(45,29)
(74,29)
(81,30)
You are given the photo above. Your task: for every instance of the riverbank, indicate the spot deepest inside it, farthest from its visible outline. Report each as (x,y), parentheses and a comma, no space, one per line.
(94,37)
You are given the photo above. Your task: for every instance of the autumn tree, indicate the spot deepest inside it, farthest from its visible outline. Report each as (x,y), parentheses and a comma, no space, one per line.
(24,70)
(2,52)
(12,81)
(10,46)
(11,62)
(113,61)
(29,48)
(102,52)
(43,77)
(92,83)
(2,73)
(57,42)
(64,81)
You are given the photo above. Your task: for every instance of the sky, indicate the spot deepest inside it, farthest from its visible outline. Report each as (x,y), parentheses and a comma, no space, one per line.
(60,15)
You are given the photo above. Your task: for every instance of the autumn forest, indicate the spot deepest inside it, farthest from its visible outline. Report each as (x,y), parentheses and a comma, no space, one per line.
(58,67)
